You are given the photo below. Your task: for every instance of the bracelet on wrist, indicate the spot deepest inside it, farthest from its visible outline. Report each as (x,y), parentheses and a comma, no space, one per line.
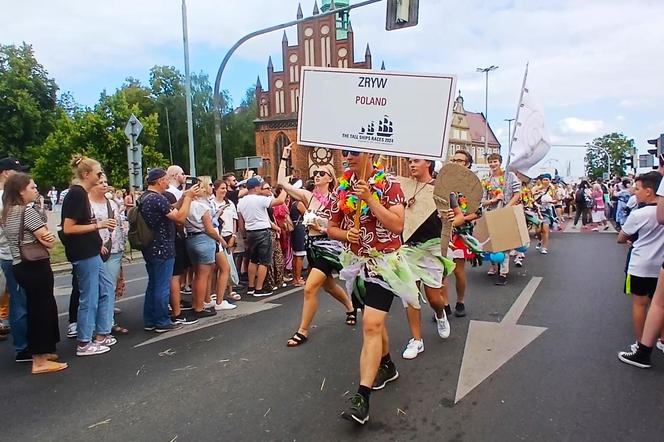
(347,234)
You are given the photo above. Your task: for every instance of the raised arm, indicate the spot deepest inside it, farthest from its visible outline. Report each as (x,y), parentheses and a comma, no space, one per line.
(298,194)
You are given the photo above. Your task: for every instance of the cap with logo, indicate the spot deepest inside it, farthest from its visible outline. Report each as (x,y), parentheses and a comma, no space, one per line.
(11,164)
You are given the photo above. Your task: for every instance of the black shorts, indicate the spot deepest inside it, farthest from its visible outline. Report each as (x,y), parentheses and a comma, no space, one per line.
(182,262)
(259,243)
(640,286)
(378,297)
(317,262)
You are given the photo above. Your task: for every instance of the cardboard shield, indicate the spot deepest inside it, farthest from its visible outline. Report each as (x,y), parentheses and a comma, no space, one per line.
(454,178)
(419,212)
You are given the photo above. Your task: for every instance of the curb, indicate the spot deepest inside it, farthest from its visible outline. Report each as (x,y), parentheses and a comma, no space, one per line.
(63,268)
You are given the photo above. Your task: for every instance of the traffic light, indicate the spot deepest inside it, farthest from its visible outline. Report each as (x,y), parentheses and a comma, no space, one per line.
(629,161)
(659,145)
(402,14)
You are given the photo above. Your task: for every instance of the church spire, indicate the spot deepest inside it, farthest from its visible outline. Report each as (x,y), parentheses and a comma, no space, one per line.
(367,53)
(316,11)
(284,39)
(299,12)
(382,66)
(270,66)
(258,83)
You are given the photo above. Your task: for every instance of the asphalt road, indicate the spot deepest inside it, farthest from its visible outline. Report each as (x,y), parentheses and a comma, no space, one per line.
(236,380)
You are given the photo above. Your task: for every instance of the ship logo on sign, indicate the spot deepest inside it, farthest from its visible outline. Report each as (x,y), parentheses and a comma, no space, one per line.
(380,132)
(385,128)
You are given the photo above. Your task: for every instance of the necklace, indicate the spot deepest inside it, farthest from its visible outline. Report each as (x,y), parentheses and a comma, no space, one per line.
(411,201)
(348,201)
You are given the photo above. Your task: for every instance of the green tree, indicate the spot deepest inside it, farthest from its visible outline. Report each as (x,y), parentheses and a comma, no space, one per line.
(617,146)
(238,130)
(28,104)
(98,133)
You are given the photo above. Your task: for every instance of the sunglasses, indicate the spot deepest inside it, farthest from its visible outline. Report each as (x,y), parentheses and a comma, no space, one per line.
(320,173)
(345,153)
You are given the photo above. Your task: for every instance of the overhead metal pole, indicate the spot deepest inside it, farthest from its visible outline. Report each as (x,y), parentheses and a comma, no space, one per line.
(168,126)
(486,106)
(220,72)
(190,119)
(509,133)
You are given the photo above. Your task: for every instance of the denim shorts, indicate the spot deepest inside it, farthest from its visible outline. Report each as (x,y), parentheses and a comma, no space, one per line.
(201,248)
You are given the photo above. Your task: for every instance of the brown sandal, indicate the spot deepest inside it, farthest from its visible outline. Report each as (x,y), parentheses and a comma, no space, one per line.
(298,338)
(50,367)
(117,330)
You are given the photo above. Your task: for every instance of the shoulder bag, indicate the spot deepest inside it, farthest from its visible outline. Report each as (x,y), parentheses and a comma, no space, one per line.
(34,251)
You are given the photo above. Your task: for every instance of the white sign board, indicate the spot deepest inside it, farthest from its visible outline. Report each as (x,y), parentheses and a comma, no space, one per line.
(390,113)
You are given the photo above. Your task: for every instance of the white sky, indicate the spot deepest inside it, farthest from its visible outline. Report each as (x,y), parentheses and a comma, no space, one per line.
(595,65)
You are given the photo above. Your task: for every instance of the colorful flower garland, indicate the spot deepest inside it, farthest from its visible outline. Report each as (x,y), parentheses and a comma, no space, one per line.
(495,192)
(348,200)
(463,204)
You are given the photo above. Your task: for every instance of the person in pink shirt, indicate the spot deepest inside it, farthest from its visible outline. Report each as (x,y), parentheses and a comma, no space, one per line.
(598,210)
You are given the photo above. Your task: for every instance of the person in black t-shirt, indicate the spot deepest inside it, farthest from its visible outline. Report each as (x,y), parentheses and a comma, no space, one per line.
(83,249)
(233,192)
(425,257)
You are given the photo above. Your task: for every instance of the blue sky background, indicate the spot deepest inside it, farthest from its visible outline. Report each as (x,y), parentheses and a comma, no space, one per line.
(595,65)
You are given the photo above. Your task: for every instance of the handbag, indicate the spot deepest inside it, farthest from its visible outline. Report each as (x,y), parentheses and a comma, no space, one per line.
(33,251)
(289,226)
(108,244)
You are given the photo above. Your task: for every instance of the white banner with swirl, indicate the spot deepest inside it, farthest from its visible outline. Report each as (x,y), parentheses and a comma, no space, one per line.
(531,140)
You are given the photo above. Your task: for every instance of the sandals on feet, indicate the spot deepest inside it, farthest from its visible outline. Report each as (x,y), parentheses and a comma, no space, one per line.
(351,318)
(297,340)
(117,330)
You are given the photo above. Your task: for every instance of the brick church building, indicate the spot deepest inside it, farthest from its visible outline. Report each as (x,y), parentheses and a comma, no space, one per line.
(329,42)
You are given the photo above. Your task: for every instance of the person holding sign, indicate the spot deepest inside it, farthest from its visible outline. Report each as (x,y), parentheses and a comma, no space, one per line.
(501,188)
(424,254)
(368,216)
(322,253)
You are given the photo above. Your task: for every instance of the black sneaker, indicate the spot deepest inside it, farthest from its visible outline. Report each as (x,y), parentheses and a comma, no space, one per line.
(502,280)
(250,291)
(386,373)
(24,356)
(262,292)
(204,314)
(357,410)
(185,305)
(184,319)
(459,310)
(448,310)
(149,328)
(636,358)
(168,328)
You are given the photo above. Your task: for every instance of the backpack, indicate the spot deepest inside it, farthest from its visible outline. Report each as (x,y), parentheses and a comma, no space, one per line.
(140,235)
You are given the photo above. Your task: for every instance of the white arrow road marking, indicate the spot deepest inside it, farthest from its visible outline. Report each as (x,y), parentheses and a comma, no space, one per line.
(489,345)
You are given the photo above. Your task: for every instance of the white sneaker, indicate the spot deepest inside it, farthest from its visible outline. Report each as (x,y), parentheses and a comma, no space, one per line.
(413,349)
(208,305)
(544,251)
(443,326)
(225,305)
(660,345)
(539,245)
(91,349)
(71,330)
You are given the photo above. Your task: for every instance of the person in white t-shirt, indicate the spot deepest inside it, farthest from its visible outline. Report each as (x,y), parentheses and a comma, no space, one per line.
(253,210)
(202,239)
(176,179)
(647,252)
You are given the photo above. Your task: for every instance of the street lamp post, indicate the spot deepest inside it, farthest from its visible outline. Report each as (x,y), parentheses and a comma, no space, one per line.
(486,105)
(509,132)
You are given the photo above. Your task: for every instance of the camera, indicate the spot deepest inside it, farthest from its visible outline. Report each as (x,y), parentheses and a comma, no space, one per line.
(190,181)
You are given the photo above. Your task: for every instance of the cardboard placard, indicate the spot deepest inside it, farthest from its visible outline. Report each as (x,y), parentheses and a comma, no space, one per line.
(454,178)
(502,230)
(421,210)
